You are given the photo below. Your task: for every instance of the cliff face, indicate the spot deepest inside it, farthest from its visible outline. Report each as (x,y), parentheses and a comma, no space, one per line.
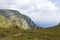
(12,18)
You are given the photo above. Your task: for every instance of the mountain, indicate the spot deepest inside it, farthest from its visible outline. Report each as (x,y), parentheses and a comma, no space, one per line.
(13,18)
(16,26)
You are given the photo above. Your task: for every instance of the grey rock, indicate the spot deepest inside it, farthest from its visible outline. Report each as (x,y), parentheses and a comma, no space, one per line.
(17,19)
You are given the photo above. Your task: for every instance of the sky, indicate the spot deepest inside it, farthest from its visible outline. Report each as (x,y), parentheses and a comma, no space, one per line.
(44,13)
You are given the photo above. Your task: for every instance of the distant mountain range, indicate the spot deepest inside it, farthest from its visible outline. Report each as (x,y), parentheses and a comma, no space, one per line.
(13,18)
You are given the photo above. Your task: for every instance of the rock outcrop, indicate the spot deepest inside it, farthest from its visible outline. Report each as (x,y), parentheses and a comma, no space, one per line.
(13,18)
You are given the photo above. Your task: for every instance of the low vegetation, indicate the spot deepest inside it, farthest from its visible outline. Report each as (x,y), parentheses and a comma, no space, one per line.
(52,33)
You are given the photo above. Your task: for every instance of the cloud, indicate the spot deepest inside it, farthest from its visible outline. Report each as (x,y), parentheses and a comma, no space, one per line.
(37,10)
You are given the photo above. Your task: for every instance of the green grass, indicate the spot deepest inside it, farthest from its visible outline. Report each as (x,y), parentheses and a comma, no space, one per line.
(9,32)
(30,34)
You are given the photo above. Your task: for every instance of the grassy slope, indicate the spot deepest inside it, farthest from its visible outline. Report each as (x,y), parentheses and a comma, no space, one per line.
(13,33)
(26,34)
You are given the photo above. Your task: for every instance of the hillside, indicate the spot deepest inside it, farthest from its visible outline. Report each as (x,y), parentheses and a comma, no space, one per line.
(16,26)
(52,33)
(13,18)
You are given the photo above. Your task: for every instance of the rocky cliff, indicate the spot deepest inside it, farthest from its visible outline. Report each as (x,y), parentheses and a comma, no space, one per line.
(13,18)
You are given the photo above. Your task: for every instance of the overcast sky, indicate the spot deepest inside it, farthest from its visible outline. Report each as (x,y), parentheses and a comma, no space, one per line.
(42,12)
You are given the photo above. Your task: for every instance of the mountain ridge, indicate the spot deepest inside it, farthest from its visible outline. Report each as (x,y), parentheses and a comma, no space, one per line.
(16,18)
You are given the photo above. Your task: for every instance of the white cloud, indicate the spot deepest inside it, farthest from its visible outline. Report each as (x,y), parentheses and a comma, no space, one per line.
(35,9)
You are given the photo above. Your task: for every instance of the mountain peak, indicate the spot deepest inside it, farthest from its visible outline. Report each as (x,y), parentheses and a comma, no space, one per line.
(11,18)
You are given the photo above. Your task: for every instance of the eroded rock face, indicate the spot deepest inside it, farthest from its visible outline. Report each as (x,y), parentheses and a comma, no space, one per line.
(12,18)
